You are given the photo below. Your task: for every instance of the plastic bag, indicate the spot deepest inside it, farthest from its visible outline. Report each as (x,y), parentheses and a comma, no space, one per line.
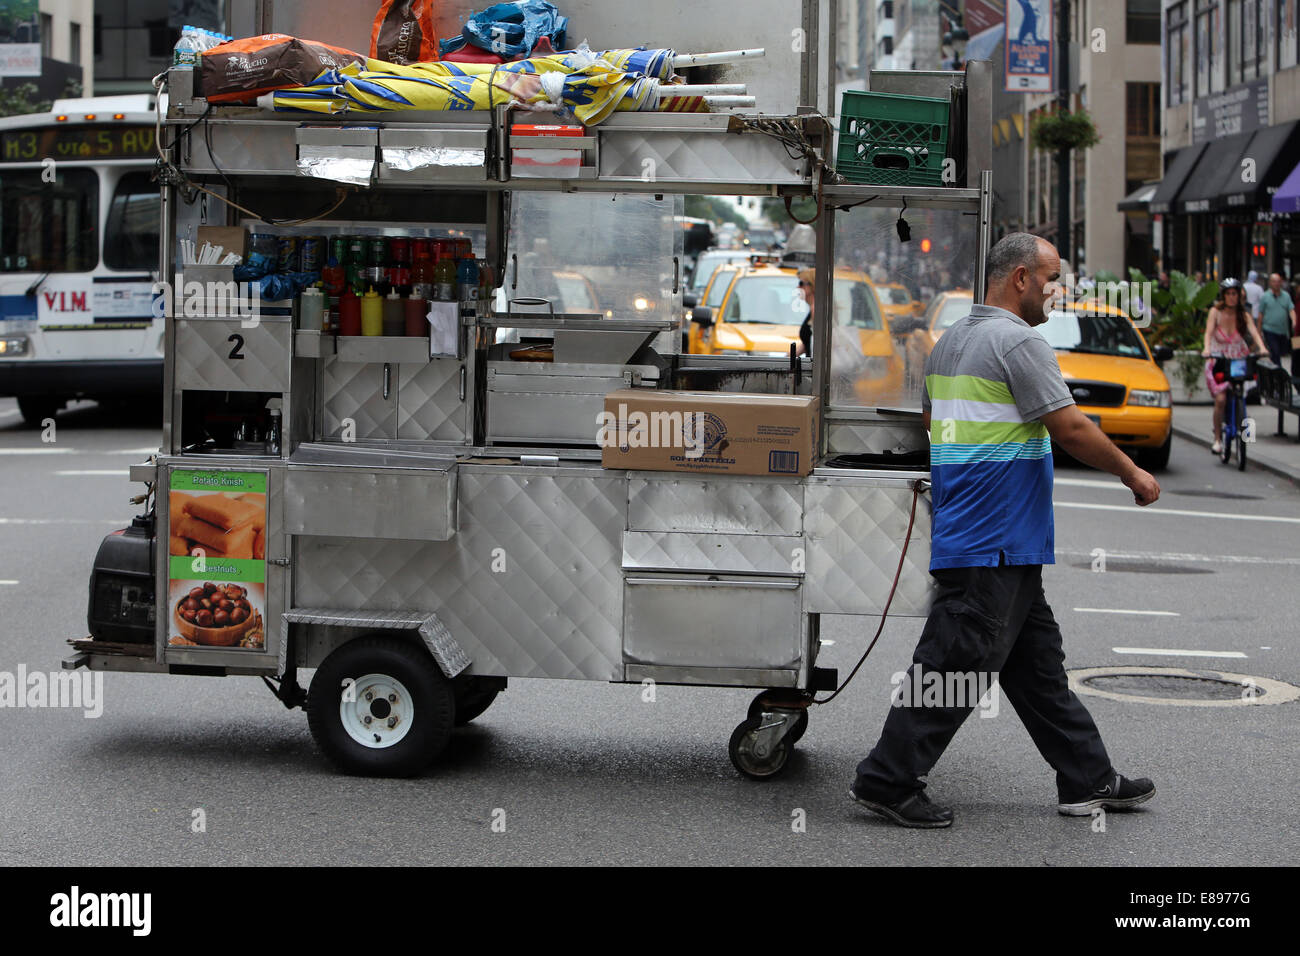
(241,70)
(511,30)
(403,32)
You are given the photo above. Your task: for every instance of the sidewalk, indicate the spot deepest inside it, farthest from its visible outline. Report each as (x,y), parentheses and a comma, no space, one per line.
(1279,455)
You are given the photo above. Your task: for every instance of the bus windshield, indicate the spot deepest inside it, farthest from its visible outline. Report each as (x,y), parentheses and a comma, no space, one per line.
(131,234)
(49,226)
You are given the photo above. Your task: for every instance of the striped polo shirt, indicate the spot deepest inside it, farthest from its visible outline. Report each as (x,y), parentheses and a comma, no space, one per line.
(988,380)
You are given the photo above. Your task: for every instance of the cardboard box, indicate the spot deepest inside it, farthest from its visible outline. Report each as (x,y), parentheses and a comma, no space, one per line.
(230,238)
(730,433)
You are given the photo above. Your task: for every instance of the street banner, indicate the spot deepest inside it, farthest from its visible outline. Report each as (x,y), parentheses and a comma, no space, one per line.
(1029,53)
(20,38)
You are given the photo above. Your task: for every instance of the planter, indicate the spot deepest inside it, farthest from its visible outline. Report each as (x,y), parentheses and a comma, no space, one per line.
(1185,387)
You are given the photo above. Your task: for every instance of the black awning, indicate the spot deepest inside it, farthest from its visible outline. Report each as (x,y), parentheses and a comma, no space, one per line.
(1177,168)
(1203,191)
(1274,150)
(1139,199)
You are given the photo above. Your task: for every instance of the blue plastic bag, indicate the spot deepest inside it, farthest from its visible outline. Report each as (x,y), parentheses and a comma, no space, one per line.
(510,30)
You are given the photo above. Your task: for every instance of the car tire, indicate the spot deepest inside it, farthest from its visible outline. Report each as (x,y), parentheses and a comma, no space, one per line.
(1156,459)
(35,409)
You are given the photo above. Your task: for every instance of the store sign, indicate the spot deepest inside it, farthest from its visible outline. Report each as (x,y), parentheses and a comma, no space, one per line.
(1241,109)
(20,38)
(1029,53)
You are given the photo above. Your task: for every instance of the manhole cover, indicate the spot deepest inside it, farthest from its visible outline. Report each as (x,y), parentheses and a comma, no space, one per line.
(1174,685)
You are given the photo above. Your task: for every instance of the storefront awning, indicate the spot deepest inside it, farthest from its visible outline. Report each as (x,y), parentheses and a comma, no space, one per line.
(1204,190)
(1287,197)
(1176,172)
(1139,199)
(1272,149)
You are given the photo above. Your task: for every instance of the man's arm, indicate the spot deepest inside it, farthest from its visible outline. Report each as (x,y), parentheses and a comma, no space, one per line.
(1073,431)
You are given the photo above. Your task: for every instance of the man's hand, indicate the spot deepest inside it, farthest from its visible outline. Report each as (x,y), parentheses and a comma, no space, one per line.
(1144,487)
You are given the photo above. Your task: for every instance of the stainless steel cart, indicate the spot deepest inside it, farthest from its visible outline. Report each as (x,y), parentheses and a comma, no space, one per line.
(432,526)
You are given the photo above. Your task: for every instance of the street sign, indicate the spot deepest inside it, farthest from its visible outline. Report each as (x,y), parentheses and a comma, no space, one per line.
(1029,46)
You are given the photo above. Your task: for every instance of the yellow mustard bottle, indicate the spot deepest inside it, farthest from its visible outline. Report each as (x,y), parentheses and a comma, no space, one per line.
(372,313)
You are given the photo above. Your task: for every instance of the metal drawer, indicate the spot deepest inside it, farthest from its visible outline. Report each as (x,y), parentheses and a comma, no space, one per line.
(713,621)
(231,355)
(357,502)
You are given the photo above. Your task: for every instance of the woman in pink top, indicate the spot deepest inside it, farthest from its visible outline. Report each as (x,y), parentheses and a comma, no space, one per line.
(1226,332)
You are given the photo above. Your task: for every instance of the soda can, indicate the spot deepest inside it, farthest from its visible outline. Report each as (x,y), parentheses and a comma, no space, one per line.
(356,250)
(311,253)
(288,254)
(376,251)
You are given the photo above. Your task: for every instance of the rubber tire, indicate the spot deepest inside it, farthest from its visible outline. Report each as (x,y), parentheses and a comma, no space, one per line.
(796,733)
(767,771)
(36,408)
(1156,459)
(1226,453)
(471,703)
(433,701)
(1241,450)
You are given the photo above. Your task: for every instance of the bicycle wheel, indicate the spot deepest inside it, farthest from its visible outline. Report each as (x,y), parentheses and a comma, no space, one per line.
(1229,429)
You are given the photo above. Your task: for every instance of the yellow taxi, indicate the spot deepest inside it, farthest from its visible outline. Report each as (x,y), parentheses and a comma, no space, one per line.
(759,309)
(1114,380)
(944,309)
(897,301)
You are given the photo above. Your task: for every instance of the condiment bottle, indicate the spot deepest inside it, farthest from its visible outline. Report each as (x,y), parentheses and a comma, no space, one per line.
(349,314)
(311,309)
(334,277)
(416,312)
(444,278)
(372,313)
(394,314)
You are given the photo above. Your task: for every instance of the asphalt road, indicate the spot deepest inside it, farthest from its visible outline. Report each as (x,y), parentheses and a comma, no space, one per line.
(589,773)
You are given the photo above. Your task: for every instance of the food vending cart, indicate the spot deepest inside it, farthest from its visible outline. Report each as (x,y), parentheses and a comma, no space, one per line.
(420,522)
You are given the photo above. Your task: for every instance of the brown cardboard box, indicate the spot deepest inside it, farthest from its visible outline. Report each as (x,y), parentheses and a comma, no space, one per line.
(742,434)
(230,238)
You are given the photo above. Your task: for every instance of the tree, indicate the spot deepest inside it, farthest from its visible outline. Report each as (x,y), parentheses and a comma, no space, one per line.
(21,98)
(804,208)
(714,208)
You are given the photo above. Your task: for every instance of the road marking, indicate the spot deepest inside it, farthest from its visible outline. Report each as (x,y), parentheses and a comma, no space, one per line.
(1175,557)
(116,521)
(1118,610)
(78,451)
(1091,483)
(11,583)
(37,451)
(1174,652)
(115,474)
(1176,512)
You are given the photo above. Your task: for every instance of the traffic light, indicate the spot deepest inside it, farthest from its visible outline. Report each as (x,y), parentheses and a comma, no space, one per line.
(925,245)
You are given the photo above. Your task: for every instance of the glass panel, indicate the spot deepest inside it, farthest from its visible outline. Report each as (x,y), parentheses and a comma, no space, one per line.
(1092,334)
(131,235)
(889,294)
(49,227)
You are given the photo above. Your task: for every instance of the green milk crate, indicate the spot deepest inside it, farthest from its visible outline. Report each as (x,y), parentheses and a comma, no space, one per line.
(888,139)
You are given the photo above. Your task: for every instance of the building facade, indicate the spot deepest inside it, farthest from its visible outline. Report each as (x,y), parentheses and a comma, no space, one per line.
(64,30)
(1230,136)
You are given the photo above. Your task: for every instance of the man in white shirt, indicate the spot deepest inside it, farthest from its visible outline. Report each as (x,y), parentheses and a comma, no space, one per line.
(1253,291)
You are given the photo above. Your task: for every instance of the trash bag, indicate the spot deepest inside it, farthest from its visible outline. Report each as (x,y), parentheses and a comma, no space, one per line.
(510,30)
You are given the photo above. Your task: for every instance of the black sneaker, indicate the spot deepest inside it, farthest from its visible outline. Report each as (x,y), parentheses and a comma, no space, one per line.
(912,811)
(1120,794)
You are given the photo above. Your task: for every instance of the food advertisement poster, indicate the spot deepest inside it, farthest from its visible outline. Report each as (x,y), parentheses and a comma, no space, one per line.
(217,568)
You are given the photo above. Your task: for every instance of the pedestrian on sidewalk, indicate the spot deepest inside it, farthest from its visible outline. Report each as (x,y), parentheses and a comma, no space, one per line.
(1228,334)
(1252,290)
(994,400)
(1277,319)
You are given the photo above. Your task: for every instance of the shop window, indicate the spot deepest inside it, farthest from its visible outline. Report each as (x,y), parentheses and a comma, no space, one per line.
(1142,21)
(1286,33)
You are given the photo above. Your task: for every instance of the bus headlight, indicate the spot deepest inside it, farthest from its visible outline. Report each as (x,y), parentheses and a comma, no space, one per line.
(13,345)
(1137,396)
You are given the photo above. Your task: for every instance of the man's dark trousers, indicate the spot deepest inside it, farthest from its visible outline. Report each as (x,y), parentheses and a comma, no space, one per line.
(994,621)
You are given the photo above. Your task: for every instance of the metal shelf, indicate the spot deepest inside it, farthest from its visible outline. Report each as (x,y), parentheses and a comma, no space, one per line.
(921,197)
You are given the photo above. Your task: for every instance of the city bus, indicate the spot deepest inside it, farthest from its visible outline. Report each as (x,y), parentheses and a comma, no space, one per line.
(79,217)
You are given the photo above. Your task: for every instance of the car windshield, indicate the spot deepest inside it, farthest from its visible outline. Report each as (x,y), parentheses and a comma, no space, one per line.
(709,261)
(856,305)
(769,300)
(893,295)
(1094,334)
(954,309)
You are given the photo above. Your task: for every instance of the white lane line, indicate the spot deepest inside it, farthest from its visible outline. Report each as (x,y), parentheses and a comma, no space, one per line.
(10,583)
(115,474)
(78,451)
(1178,557)
(38,451)
(1091,483)
(1174,652)
(1118,610)
(1176,512)
(116,521)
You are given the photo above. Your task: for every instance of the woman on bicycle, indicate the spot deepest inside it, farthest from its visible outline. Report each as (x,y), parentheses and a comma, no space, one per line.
(1228,332)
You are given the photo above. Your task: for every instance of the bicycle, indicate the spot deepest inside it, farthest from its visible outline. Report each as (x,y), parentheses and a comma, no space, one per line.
(1234,371)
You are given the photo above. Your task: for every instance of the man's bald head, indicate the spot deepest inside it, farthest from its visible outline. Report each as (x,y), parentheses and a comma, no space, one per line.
(1021,274)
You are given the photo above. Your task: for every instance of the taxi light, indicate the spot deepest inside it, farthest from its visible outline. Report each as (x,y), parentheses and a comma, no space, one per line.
(90,116)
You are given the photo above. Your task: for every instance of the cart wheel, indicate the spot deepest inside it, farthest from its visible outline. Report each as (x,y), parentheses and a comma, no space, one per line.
(753,765)
(379,706)
(471,701)
(796,732)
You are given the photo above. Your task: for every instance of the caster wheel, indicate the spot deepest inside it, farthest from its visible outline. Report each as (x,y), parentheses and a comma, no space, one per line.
(796,732)
(745,756)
